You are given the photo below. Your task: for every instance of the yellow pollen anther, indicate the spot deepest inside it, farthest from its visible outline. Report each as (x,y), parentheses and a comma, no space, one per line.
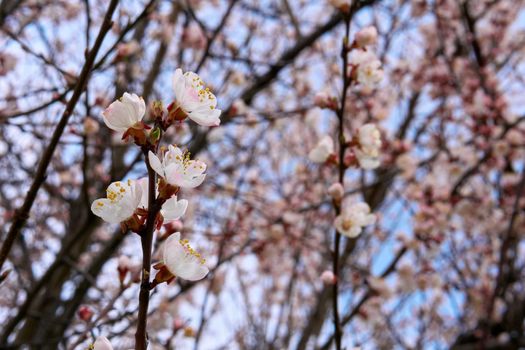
(190,251)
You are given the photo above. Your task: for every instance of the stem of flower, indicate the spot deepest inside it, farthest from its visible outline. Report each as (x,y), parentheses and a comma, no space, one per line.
(342,168)
(146,237)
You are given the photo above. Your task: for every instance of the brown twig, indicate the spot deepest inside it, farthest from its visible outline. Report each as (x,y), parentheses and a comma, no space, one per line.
(22,214)
(342,168)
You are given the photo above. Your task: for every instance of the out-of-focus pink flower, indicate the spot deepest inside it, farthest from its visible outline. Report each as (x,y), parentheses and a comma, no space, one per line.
(408,165)
(178,324)
(379,285)
(90,126)
(328,277)
(193,37)
(353,218)
(322,151)
(128,49)
(367,67)
(7,63)
(366,36)
(336,191)
(369,138)
(324,100)
(102,343)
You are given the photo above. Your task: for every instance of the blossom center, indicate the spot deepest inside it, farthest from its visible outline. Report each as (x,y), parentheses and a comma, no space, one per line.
(190,251)
(116,196)
(200,92)
(347,224)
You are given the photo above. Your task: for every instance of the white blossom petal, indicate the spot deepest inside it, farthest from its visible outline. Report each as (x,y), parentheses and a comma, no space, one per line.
(122,114)
(182,261)
(173,209)
(177,169)
(323,150)
(155,164)
(102,343)
(197,101)
(122,200)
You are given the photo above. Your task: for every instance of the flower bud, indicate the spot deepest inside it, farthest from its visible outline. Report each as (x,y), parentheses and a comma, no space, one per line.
(193,37)
(90,126)
(154,135)
(366,36)
(322,151)
(178,324)
(157,110)
(324,100)
(85,313)
(124,264)
(336,191)
(127,49)
(328,277)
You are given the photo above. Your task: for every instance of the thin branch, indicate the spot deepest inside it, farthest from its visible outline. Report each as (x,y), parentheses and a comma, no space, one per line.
(22,214)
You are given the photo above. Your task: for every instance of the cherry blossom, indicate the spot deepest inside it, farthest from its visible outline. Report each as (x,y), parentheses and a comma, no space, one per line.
(193,37)
(367,67)
(195,100)
(90,126)
(328,277)
(182,260)
(323,150)
(336,191)
(442,170)
(128,49)
(353,218)
(177,168)
(366,36)
(125,112)
(323,99)
(122,200)
(369,138)
(172,209)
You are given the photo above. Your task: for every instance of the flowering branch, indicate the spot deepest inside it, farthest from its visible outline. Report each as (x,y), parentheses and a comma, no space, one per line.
(342,169)
(360,67)
(143,205)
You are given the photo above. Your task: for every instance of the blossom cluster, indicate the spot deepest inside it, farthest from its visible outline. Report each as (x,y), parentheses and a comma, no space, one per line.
(127,201)
(363,149)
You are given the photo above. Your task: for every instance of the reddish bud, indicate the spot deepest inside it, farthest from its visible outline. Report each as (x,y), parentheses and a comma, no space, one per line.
(85,313)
